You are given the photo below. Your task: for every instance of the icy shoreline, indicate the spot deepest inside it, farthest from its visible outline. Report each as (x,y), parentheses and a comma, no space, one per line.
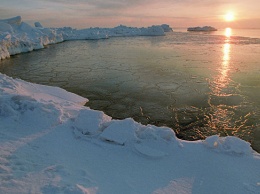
(17,36)
(51,143)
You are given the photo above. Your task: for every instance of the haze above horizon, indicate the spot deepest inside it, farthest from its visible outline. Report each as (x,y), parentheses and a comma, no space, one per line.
(110,13)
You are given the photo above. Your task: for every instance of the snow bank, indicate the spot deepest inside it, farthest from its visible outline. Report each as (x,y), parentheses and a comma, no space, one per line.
(132,31)
(119,31)
(50,143)
(17,36)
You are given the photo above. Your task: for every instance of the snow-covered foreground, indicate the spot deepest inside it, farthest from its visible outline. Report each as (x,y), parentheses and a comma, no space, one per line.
(51,143)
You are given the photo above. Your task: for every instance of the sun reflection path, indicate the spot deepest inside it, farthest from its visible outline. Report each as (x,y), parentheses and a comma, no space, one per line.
(221,113)
(228,33)
(227,115)
(222,80)
(223,77)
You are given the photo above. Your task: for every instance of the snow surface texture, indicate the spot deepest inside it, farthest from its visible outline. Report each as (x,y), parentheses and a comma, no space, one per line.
(51,143)
(17,36)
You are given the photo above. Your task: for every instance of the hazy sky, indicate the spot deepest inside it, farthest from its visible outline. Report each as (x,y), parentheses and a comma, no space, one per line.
(110,13)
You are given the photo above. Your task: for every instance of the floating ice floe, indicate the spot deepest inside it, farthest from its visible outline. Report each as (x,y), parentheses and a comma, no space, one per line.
(203,29)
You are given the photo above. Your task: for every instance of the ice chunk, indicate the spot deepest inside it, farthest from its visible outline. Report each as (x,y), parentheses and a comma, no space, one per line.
(90,122)
(228,144)
(38,25)
(119,132)
(156,133)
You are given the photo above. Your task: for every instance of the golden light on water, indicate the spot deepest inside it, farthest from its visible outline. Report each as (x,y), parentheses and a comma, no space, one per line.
(221,116)
(226,52)
(222,80)
(228,32)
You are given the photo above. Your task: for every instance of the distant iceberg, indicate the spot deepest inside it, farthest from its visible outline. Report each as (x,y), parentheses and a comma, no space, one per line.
(202,29)
(17,36)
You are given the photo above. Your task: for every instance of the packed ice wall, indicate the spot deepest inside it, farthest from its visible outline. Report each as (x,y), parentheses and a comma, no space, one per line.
(17,36)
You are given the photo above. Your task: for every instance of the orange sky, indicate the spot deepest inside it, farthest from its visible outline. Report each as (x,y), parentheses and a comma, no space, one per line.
(110,13)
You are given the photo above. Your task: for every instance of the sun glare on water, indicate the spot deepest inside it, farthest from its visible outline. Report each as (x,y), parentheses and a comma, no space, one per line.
(228,32)
(229,17)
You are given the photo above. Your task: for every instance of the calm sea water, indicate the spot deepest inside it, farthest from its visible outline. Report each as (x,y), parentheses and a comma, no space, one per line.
(199,84)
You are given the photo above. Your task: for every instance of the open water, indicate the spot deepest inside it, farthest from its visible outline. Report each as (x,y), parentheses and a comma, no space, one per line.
(198,84)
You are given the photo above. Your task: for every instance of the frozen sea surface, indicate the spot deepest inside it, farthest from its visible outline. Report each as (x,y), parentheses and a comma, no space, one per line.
(198,84)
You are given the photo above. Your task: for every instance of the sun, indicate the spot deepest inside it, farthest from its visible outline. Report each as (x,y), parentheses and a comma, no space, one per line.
(229,17)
